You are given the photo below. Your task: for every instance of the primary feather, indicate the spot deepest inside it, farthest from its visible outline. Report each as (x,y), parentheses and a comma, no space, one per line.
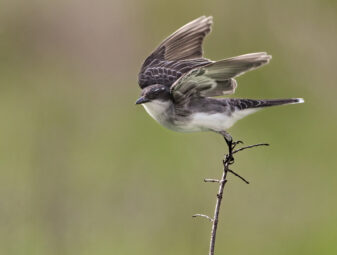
(176,55)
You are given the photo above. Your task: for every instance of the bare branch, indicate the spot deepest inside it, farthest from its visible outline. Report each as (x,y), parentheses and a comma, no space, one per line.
(229,160)
(237,175)
(202,215)
(250,146)
(218,204)
(212,180)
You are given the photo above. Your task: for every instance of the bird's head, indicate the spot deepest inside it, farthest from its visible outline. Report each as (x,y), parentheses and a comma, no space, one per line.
(154,92)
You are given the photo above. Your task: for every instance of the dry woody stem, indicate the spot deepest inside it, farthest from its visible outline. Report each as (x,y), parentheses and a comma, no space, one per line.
(222,182)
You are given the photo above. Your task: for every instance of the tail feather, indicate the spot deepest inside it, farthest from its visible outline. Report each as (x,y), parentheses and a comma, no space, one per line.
(243,104)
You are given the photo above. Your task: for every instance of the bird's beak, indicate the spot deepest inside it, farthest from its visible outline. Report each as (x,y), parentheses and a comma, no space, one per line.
(142,100)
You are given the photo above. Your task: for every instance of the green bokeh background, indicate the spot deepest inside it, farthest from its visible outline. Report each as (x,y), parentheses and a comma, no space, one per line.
(85,171)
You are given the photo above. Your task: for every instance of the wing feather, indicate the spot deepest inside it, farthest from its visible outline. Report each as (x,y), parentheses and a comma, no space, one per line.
(176,55)
(216,78)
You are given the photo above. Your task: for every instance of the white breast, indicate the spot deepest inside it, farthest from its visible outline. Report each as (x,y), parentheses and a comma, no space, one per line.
(217,121)
(197,121)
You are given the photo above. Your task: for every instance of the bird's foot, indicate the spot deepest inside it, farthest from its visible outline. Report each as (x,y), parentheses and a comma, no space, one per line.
(231,146)
(229,159)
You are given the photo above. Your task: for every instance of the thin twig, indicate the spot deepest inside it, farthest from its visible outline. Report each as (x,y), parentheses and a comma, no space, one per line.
(250,146)
(202,215)
(212,180)
(237,175)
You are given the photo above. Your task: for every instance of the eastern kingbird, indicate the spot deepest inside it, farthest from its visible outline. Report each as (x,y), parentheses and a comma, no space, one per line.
(179,85)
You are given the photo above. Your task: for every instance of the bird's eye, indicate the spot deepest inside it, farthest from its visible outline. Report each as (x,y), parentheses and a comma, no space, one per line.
(155,92)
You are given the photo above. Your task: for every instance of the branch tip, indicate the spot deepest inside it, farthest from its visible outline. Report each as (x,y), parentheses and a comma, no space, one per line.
(250,146)
(203,215)
(237,175)
(212,180)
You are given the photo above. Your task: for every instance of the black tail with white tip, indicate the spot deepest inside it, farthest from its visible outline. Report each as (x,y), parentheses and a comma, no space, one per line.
(243,104)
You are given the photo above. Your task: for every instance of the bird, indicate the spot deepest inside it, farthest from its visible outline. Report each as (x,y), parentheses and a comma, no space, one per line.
(181,88)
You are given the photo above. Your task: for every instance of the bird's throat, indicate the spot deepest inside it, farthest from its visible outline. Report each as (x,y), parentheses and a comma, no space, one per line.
(157,109)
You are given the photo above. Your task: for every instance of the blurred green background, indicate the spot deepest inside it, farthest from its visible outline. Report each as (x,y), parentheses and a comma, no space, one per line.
(85,171)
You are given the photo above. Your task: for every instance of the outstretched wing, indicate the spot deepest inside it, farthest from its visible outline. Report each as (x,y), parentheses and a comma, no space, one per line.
(176,55)
(216,79)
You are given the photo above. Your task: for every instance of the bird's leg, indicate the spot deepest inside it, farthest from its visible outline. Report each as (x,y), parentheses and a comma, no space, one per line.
(231,145)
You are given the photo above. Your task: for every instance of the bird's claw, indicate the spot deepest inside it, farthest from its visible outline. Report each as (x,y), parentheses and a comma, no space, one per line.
(229,156)
(234,144)
(229,159)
